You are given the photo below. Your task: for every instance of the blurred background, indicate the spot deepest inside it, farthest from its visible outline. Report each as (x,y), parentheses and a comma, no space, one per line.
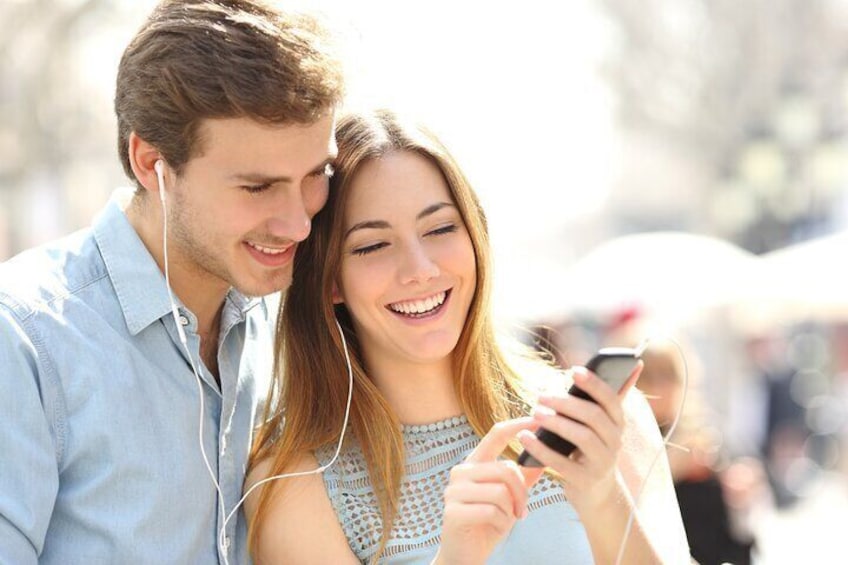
(672,169)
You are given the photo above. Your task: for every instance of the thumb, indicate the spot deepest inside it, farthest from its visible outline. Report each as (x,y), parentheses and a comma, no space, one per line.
(531,474)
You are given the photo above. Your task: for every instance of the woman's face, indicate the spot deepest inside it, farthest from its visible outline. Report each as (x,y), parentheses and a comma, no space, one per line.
(408,270)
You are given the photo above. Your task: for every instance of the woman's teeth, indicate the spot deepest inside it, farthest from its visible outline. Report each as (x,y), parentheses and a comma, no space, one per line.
(418,307)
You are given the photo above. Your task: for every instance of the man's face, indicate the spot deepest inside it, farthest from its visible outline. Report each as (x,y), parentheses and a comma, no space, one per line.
(237,212)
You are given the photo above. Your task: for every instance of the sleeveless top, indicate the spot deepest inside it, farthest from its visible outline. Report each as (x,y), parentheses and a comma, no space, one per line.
(552,533)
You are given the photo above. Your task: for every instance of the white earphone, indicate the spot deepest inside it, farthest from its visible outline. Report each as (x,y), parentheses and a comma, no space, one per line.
(159,167)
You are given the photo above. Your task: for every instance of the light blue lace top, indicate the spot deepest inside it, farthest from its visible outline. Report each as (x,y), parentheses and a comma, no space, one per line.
(552,533)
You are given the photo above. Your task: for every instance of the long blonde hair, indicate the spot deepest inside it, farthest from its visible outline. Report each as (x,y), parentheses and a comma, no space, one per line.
(309,392)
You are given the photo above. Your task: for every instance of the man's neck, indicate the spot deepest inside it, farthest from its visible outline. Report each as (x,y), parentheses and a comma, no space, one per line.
(201,293)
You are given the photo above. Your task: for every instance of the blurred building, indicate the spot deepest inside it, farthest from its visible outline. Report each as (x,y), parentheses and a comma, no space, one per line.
(734,117)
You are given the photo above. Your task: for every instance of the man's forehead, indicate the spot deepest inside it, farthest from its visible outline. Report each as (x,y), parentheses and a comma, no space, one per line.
(244,145)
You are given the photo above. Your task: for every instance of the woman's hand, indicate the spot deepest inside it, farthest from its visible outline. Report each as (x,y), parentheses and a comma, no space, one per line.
(485,496)
(596,429)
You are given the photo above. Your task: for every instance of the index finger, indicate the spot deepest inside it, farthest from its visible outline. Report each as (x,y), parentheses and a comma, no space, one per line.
(493,443)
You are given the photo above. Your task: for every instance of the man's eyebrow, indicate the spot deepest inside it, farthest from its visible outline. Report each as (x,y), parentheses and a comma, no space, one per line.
(382,224)
(260,178)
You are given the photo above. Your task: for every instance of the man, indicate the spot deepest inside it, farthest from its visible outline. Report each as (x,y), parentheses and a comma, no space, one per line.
(126,402)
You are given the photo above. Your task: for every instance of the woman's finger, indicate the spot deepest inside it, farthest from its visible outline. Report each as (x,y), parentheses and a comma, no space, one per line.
(505,473)
(496,494)
(564,465)
(581,422)
(478,515)
(496,440)
(593,440)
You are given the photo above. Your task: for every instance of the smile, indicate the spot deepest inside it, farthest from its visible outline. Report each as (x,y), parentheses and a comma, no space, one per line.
(421,307)
(268,250)
(271,257)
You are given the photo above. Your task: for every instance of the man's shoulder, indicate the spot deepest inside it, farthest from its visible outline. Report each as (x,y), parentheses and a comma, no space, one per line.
(41,276)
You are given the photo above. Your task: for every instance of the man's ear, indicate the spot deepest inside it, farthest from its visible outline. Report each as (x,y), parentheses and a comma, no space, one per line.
(143,157)
(337,295)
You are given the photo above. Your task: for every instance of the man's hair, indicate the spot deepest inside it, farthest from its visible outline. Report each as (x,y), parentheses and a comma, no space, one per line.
(198,59)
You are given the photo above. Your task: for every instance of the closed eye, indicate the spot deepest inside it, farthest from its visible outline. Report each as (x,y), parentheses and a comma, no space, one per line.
(256,188)
(450,228)
(369,248)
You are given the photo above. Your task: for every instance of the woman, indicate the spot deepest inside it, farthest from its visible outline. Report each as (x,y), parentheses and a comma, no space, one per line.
(400,257)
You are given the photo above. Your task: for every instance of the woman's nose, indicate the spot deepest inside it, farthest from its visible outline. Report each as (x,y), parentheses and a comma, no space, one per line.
(418,266)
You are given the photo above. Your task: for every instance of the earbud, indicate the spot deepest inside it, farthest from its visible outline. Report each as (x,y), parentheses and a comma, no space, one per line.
(159,167)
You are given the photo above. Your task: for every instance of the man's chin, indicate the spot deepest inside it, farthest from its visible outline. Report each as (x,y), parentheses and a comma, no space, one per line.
(256,289)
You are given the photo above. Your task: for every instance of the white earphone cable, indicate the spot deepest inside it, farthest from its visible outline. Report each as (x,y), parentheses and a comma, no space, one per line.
(322,468)
(159,168)
(666,440)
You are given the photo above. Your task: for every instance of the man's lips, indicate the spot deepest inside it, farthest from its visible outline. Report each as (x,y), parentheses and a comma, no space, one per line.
(270,256)
(269,250)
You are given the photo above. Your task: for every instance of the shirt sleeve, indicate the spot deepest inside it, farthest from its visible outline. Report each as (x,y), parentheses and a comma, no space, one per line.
(29,476)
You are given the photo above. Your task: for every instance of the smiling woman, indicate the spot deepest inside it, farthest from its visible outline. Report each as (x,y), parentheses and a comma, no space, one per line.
(408,271)
(399,257)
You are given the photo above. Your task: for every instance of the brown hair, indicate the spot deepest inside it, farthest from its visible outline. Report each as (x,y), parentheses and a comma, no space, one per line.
(193,60)
(310,388)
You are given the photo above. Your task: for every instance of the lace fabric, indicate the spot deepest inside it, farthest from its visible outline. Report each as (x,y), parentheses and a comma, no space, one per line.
(431,451)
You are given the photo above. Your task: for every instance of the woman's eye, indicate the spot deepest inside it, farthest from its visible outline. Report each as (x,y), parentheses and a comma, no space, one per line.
(369,249)
(450,228)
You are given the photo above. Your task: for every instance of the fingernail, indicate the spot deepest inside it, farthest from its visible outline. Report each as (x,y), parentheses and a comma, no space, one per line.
(525,513)
(525,435)
(540,412)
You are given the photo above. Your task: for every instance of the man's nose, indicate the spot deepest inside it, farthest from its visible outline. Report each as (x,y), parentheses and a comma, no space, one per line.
(290,219)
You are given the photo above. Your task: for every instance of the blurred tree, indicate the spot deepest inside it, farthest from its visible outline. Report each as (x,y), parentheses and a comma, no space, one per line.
(55,125)
(728,105)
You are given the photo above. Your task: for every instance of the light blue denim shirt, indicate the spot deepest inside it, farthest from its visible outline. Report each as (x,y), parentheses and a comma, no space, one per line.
(100,459)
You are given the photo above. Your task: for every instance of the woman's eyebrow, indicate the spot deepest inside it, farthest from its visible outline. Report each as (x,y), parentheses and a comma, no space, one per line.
(432,209)
(368,224)
(382,224)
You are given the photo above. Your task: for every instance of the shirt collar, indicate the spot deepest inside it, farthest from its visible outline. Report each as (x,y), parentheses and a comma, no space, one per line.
(136,278)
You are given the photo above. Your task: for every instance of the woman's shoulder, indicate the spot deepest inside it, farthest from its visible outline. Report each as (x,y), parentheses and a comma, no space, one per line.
(266,471)
(297,523)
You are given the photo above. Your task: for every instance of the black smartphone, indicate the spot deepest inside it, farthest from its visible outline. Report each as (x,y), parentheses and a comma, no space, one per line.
(612,365)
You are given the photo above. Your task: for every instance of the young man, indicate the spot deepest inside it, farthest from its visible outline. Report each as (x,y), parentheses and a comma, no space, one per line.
(126,400)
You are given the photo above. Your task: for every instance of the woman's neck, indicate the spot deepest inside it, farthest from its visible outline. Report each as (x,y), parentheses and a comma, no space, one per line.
(419,394)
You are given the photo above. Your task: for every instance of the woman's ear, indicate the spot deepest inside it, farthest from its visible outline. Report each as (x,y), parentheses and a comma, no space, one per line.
(337,295)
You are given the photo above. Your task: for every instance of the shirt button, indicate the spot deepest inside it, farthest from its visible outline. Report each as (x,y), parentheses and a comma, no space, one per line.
(183,321)
(225,544)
